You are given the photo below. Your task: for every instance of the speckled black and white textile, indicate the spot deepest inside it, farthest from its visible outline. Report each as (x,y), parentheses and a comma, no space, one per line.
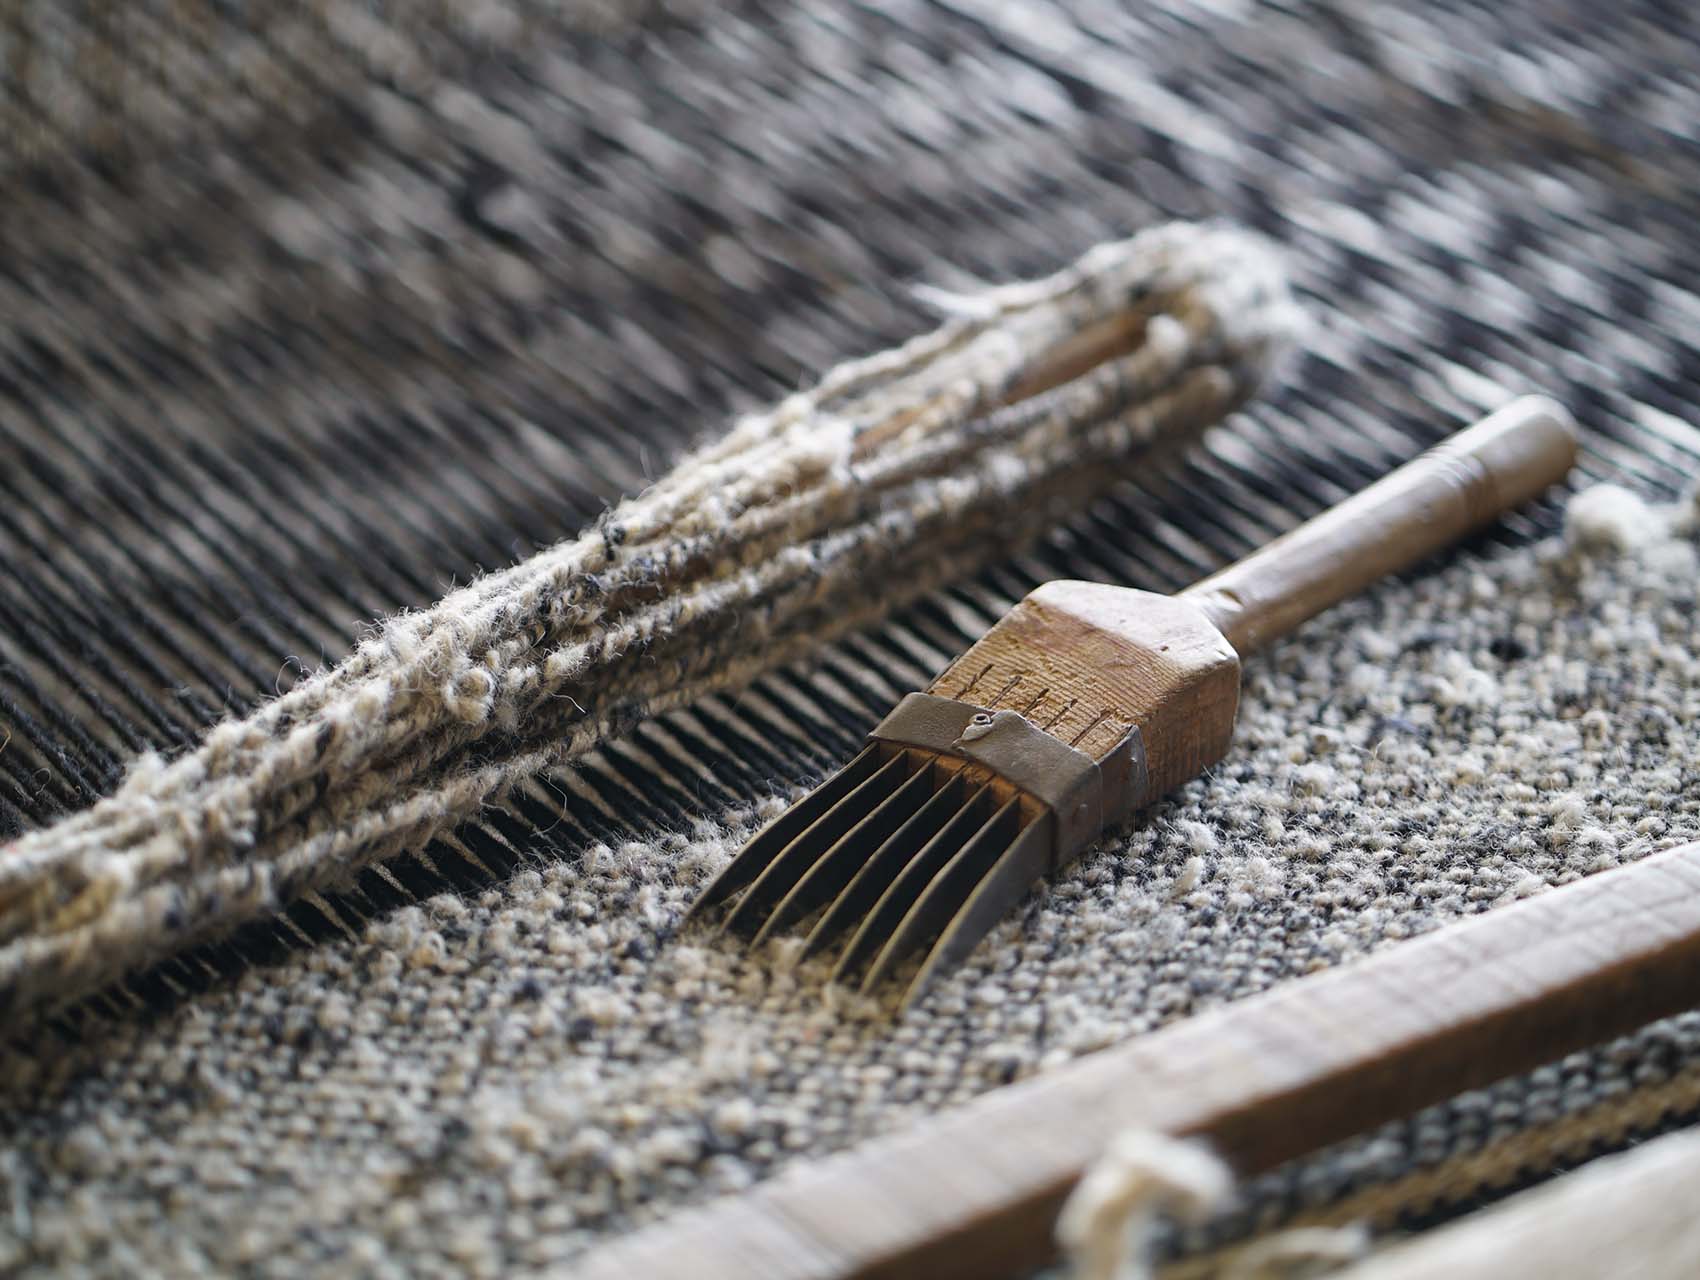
(492,1081)
(435,290)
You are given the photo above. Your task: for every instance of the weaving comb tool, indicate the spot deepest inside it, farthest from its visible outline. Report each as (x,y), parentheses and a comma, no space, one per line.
(1084,704)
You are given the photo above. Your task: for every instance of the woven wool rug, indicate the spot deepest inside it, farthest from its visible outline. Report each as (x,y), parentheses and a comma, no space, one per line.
(499,1079)
(442,281)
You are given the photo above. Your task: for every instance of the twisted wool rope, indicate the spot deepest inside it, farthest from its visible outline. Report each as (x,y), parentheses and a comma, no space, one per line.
(896,472)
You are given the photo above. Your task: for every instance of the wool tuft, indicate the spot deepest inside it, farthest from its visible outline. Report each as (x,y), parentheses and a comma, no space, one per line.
(1609,520)
(1109,1217)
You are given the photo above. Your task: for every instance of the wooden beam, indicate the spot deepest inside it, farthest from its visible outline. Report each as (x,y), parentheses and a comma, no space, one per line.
(975,1191)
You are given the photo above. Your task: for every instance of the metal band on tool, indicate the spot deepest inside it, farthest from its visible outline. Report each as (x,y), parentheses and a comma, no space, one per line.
(1081,792)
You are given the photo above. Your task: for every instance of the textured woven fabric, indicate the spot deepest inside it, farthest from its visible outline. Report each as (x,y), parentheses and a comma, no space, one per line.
(270,373)
(495,1080)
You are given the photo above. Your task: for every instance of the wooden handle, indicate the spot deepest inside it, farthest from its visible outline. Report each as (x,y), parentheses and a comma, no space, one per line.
(1460,485)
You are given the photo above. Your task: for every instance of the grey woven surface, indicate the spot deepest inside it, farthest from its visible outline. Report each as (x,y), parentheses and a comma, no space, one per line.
(268,377)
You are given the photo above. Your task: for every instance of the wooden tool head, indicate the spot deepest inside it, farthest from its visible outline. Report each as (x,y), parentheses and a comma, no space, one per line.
(1088,662)
(1084,703)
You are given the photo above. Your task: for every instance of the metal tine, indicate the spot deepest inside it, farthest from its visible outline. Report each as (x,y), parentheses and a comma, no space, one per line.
(876,926)
(876,874)
(945,893)
(767,843)
(789,864)
(834,868)
(1008,881)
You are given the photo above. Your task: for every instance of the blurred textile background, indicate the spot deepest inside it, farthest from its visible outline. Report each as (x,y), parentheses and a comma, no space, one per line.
(311,310)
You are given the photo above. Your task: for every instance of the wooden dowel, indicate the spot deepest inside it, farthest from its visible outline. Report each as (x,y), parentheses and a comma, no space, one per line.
(975,1191)
(1460,485)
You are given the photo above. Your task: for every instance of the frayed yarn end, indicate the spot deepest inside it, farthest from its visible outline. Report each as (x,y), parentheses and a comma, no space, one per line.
(1610,520)
(1106,1227)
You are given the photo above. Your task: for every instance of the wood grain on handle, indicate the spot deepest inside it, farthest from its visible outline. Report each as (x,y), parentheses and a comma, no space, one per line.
(1460,485)
(974,1192)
